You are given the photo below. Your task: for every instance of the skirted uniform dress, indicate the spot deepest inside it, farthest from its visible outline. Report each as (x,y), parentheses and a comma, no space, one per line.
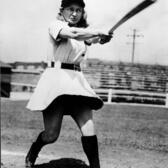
(62,81)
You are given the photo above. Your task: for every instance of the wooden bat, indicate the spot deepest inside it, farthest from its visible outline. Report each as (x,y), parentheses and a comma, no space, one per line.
(131,13)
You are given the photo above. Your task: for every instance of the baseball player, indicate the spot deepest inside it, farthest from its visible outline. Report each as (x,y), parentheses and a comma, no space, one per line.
(62,88)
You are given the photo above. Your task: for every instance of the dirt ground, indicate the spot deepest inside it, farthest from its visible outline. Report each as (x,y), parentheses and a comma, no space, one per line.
(129,137)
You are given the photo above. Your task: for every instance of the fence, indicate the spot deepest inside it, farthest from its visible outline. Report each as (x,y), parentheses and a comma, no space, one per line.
(111,95)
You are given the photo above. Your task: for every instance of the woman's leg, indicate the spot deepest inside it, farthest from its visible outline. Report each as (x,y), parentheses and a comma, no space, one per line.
(83,117)
(52,118)
(52,124)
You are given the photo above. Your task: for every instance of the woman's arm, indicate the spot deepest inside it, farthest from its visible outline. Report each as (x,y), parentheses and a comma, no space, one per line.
(59,29)
(93,40)
(102,39)
(80,34)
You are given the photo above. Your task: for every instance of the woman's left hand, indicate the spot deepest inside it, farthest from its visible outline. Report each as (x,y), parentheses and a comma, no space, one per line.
(105,38)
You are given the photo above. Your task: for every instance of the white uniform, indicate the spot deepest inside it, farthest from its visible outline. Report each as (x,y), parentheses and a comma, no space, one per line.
(55,81)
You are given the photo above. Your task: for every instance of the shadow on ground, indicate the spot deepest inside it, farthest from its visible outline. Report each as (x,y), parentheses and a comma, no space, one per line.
(63,163)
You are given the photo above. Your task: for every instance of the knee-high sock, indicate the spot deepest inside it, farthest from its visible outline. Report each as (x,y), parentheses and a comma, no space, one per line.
(35,149)
(90,147)
(39,143)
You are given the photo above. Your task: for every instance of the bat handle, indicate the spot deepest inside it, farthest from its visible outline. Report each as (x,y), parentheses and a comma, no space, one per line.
(111,33)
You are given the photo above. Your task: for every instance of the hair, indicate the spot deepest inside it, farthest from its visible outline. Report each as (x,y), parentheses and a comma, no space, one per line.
(83,21)
(81,24)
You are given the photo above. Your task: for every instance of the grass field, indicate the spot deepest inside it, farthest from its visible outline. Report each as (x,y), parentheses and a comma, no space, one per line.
(129,136)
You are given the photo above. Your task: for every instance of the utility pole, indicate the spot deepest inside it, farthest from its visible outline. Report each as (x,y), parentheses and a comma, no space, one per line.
(133,46)
(134,36)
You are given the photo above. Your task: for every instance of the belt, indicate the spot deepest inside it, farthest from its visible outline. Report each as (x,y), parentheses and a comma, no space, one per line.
(74,67)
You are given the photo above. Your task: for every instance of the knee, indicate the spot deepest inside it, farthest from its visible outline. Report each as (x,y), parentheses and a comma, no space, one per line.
(50,136)
(88,128)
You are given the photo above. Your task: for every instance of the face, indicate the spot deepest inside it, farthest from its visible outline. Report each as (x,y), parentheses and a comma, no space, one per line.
(72,14)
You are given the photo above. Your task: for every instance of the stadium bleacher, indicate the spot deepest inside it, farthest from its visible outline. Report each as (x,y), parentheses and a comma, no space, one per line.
(135,83)
(128,76)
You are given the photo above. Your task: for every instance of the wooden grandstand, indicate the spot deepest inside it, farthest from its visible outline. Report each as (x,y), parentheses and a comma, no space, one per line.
(124,82)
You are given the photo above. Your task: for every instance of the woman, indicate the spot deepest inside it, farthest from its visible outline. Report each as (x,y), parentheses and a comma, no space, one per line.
(62,88)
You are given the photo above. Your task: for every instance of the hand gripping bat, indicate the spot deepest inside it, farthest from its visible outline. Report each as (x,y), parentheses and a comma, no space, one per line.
(144,4)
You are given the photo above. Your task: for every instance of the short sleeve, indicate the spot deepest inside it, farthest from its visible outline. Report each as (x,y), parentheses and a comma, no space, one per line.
(55,27)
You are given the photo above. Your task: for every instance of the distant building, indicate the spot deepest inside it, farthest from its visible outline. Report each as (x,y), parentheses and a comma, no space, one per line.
(29,65)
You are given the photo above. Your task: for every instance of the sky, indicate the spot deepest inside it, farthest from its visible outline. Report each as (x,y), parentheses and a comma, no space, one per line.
(24,26)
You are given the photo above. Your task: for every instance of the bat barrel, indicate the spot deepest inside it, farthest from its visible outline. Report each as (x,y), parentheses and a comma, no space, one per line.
(131,13)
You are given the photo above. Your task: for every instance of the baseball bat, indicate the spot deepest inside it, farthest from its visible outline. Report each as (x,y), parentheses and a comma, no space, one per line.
(144,4)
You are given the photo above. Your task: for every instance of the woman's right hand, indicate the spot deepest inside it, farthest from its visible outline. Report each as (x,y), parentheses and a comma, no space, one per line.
(105,37)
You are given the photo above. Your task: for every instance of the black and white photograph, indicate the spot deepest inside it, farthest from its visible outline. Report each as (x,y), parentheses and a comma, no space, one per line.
(84,83)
